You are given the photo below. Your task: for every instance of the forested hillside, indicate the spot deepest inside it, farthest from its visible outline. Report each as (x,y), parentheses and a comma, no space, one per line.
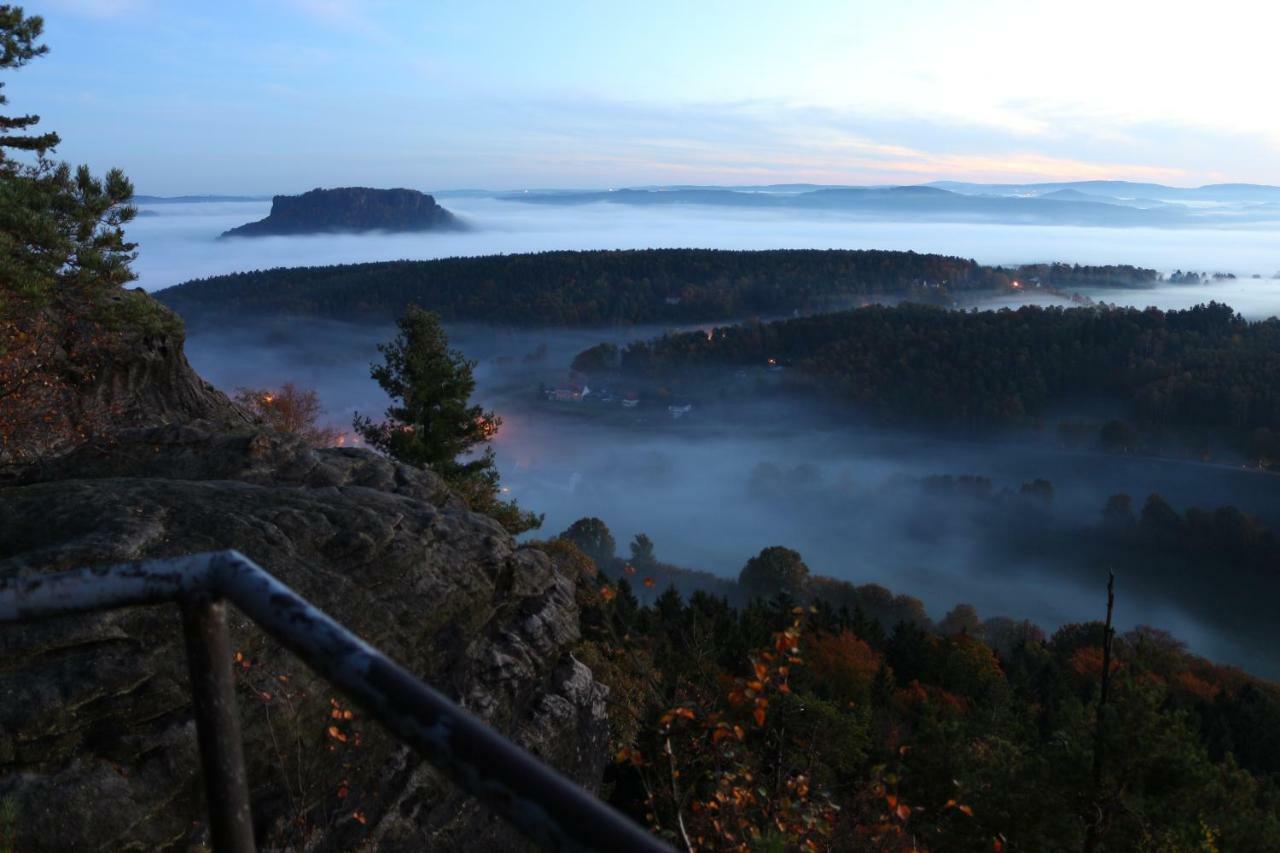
(613,288)
(816,714)
(577,288)
(1204,367)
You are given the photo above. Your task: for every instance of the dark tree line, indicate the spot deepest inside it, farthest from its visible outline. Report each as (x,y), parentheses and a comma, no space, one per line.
(1077,275)
(577,288)
(607,287)
(1202,367)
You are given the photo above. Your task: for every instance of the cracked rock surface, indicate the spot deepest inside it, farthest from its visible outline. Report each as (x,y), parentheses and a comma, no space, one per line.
(97,742)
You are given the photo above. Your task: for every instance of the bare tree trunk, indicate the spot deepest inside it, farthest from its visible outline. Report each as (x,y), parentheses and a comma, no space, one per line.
(675,796)
(1094,835)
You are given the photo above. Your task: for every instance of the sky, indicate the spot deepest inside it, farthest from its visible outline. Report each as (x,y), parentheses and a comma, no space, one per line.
(279,96)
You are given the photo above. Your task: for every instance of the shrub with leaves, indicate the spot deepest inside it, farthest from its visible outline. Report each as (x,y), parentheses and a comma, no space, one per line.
(291,410)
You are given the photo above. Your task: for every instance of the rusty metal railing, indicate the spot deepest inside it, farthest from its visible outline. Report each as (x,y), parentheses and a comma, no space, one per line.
(549,809)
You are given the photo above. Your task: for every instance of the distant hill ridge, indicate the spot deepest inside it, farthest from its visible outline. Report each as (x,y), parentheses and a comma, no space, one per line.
(1082,203)
(195,199)
(350,209)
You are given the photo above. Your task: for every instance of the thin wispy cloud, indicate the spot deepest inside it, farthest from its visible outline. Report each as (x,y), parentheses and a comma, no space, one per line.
(339,14)
(320,92)
(92,8)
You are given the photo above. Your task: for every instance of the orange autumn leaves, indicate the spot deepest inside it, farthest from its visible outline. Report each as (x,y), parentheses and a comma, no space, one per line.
(609,593)
(46,368)
(289,409)
(1086,662)
(750,695)
(700,768)
(312,735)
(335,730)
(843,662)
(887,824)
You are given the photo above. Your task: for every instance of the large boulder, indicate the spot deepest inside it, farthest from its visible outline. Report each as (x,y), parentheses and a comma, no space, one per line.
(97,740)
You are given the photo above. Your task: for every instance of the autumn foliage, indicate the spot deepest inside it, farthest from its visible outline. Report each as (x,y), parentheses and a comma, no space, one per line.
(289,409)
(843,661)
(47,361)
(788,725)
(317,744)
(698,767)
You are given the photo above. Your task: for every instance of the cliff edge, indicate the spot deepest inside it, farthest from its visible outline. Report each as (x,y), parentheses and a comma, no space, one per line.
(85,368)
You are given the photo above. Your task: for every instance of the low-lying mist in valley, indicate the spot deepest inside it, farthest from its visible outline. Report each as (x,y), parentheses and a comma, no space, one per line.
(714,487)
(860,503)
(180,242)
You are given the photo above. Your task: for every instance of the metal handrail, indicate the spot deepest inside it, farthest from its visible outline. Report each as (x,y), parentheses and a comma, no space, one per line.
(548,808)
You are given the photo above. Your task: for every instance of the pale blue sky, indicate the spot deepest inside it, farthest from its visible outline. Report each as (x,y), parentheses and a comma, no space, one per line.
(252,96)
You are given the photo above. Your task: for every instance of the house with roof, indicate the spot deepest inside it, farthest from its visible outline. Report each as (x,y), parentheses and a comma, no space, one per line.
(568,393)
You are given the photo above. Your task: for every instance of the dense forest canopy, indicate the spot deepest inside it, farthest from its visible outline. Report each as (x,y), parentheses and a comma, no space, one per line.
(613,287)
(801,712)
(1202,367)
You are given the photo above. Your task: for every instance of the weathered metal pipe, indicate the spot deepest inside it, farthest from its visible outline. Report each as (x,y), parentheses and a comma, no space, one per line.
(103,587)
(213,689)
(551,810)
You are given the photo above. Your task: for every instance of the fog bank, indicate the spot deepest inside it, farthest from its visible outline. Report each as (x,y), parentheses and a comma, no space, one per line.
(179,242)
(716,487)
(711,490)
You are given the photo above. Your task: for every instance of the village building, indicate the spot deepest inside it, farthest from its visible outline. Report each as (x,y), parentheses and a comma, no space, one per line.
(568,393)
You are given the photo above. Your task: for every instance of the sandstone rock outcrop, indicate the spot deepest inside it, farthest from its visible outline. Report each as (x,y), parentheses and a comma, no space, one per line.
(97,742)
(95,368)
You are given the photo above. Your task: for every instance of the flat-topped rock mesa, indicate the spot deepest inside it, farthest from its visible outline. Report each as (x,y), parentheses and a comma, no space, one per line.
(350,209)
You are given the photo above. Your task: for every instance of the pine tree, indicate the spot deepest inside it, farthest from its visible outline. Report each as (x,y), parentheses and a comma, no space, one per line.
(61,230)
(63,260)
(431,421)
(642,554)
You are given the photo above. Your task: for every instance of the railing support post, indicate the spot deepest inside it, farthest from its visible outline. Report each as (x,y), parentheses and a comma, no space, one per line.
(204,623)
